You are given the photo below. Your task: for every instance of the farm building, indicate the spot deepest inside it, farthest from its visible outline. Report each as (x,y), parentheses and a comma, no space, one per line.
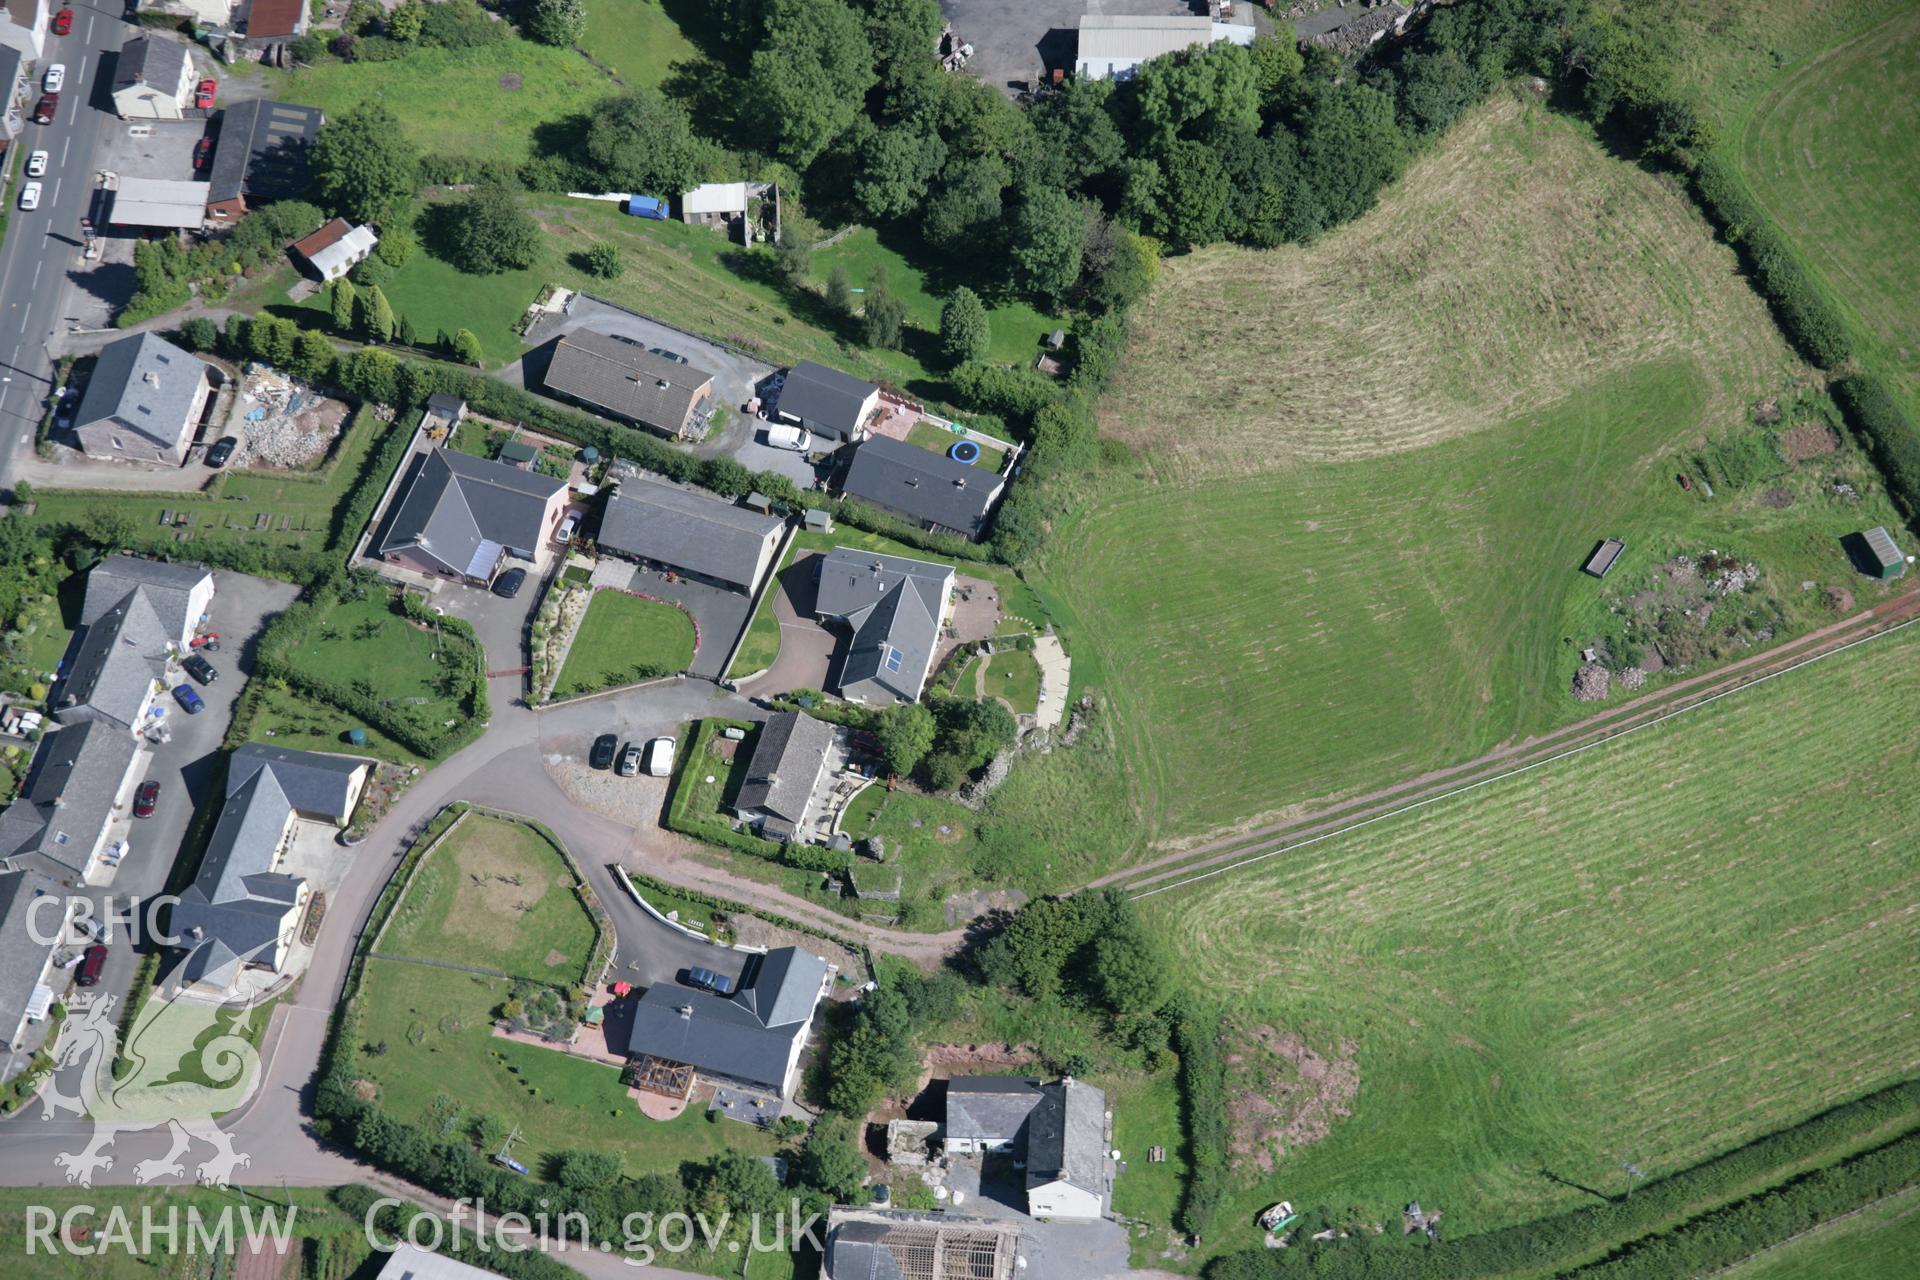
(777,793)
(621,378)
(1604,557)
(261,155)
(895,608)
(827,402)
(906,1244)
(989,1113)
(690,531)
(929,488)
(336,248)
(1112,47)
(1059,1130)
(1884,559)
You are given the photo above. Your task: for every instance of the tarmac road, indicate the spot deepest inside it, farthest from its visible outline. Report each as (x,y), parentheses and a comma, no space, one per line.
(42,245)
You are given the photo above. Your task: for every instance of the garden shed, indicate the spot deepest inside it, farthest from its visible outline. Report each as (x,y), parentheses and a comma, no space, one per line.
(1601,562)
(1884,559)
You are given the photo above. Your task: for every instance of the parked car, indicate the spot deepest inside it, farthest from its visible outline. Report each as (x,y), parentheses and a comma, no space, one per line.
(798,439)
(63,412)
(36,164)
(30,196)
(665,354)
(93,960)
(629,761)
(660,757)
(603,748)
(202,153)
(145,799)
(568,523)
(189,700)
(222,450)
(203,93)
(704,979)
(200,669)
(63,22)
(45,109)
(56,76)
(508,584)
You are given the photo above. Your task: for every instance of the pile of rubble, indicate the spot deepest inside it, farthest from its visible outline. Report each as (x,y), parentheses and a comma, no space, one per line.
(1354,37)
(1590,682)
(287,424)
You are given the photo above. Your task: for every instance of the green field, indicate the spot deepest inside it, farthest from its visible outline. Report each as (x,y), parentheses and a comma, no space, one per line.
(932,844)
(1833,153)
(1878,1243)
(496,895)
(636,39)
(622,639)
(1654,951)
(1375,570)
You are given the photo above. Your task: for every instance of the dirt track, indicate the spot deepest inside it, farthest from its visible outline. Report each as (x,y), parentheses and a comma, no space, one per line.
(1218,857)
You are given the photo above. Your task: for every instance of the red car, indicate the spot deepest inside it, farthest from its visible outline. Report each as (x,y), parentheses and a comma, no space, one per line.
(203,93)
(43,110)
(63,22)
(145,799)
(202,152)
(95,959)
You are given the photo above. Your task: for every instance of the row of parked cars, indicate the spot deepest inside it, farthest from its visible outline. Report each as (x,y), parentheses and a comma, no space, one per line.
(657,756)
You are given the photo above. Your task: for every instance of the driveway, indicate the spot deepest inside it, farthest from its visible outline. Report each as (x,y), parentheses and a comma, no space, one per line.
(806,647)
(1056,1250)
(500,625)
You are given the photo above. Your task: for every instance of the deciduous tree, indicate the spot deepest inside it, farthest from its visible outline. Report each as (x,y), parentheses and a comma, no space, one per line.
(363,166)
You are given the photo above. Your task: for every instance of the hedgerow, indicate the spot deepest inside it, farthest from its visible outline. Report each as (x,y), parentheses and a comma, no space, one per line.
(1888,434)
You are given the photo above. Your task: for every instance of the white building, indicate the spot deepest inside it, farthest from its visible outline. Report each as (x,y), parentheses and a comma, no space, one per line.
(1113,47)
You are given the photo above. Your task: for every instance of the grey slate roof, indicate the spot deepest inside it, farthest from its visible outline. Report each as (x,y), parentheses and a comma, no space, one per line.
(168,588)
(117,658)
(625,379)
(894,606)
(9,68)
(453,505)
(150,61)
(237,900)
(824,397)
(922,485)
(315,785)
(145,385)
(691,530)
(22,960)
(263,151)
(990,1108)
(1067,1138)
(68,797)
(858,1251)
(786,763)
(747,1036)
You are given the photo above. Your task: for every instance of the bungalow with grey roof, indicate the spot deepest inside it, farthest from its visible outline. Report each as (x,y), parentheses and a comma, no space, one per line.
(241,911)
(827,402)
(143,402)
(62,818)
(459,517)
(895,608)
(690,531)
(620,377)
(928,488)
(777,794)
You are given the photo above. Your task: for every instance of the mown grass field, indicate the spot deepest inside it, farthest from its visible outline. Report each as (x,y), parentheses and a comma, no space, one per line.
(620,635)
(1365,563)
(1655,950)
(636,39)
(1833,153)
(495,894)
(1879,1243)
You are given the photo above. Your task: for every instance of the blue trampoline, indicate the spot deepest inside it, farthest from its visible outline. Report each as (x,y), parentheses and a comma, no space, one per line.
(964,451)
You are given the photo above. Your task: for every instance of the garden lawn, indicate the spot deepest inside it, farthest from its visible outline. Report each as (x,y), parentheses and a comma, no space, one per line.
(620,635)
(292,720)
(636,39)
(369,646)
(496,895)
(927,436)
(1833,153)
(226,509)
(1013,676)
(707,782)
(1655,950)
(458,101)
(436,298)
(437,1029)
(1879,1242)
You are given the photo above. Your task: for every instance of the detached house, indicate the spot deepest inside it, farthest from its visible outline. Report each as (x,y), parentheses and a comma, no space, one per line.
(777,795)
(153,80)
(459,517)
(75,789)
(895,609)
(1059,1130)
(144,401)
(928,488)
(619,377)
(691,532)
(241,911)
(827,402)
(751,1039)
(135,615)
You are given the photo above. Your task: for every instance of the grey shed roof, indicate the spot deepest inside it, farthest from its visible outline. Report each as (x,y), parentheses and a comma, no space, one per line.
(68,797)
(119,655)
(826,396)
(454,504)
(22,960)
(746,1036)
(145,384)
(1881,543)
(263,151)
(922,484)
(152,61)
(313,784)
(689,529)
(786,763)
(168,587)
(894,606)
(1067,1138)
(990,1108)
(625,379)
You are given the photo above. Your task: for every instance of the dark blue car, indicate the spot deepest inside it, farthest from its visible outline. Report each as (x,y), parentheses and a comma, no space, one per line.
(708,980)
(189,700)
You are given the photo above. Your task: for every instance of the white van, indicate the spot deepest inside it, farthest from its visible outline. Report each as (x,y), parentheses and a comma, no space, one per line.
(798,439)
(660,757)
